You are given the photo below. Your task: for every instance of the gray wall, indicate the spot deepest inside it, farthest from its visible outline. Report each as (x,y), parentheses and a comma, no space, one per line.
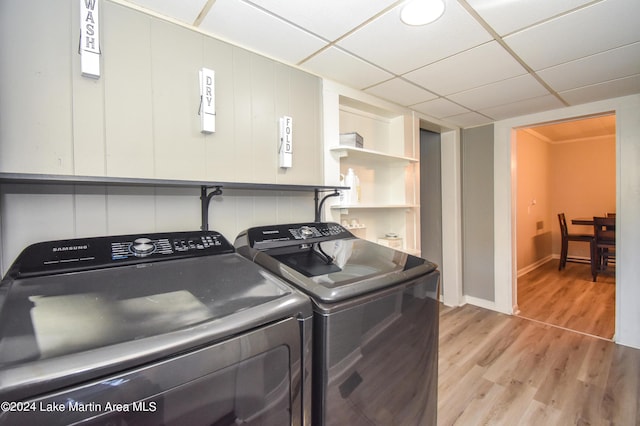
(477,213)
(430,197)
(140,119)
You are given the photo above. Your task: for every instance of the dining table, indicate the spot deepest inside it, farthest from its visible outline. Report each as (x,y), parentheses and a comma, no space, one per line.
(587,221)
(582,221)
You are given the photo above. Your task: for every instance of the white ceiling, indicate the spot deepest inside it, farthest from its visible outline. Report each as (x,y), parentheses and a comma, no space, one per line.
(576,130)
(482,61)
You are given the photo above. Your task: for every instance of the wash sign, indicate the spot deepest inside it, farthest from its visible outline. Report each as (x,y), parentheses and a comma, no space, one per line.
(89,39)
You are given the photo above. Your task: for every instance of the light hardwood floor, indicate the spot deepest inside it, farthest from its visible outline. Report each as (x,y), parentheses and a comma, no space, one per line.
(496,369)
(569,298)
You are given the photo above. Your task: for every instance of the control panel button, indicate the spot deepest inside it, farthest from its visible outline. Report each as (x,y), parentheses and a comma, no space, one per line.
(306,232)
(142,247)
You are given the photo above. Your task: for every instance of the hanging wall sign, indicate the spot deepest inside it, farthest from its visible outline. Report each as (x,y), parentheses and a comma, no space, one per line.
(286,142)
(207,101)
(89,39)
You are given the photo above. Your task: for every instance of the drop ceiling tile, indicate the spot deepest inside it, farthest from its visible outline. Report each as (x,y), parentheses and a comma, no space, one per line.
(609,65)
(342,67)
(328,18)
(470,119)
(587,50)
(501,92)
(476,67)
(401,92)
(254,29)
(440,108)
(528,106)
(508,16)
(597,92)
(185,11)
(400,48)
(602,26)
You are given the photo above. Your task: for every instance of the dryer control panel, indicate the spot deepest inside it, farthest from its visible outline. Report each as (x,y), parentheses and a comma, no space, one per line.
(54,257)
(275,236)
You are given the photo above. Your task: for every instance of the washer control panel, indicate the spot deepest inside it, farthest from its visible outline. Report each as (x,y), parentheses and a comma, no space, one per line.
(53,257)
(273,236)
(163,245)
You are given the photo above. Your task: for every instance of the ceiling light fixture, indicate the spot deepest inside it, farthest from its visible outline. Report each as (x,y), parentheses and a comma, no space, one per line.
(421,12)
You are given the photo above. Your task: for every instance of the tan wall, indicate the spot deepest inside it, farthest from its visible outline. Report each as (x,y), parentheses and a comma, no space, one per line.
(584,184)
(576,178)
(534,222)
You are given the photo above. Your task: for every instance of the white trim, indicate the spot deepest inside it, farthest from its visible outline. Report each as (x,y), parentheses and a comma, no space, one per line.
(451,219)
(486,304)
(535,265)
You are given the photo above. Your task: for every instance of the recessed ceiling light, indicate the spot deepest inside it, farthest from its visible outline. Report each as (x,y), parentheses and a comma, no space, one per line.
(421,12)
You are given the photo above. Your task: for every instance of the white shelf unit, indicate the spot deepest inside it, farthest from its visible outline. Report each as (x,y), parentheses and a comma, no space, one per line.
(387,166)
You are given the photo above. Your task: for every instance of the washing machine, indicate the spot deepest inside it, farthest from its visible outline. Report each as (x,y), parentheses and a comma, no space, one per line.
(375,322)
(158,329)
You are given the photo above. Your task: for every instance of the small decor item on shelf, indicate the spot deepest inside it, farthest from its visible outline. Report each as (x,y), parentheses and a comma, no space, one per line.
(391,240)
(351,139)
(350,196)
(353,223)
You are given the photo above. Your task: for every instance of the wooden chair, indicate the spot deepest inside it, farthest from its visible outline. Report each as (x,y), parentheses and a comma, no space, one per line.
(604,245)
(566,237)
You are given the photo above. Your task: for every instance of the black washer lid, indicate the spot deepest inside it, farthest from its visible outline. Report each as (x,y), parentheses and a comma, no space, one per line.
(50,316)
(328,262)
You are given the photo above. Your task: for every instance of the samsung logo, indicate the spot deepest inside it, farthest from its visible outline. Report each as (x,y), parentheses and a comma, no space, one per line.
(70,248)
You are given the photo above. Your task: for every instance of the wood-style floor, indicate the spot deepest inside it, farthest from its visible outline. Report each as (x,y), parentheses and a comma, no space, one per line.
(569,298)
(496,369)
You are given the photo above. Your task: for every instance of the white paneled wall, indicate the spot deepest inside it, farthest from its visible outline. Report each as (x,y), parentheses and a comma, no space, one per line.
(140,119)
(31,213)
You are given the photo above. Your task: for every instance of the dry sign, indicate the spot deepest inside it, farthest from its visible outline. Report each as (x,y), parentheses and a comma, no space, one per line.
(207,101)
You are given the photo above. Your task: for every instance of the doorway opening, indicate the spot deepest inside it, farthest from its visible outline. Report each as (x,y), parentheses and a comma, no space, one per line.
(566,167)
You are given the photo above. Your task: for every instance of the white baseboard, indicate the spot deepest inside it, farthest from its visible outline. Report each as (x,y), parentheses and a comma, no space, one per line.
(581,259)
(535,265)
(529,268)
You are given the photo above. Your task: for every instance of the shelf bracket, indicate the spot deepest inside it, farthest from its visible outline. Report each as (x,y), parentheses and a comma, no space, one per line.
(318,207)
(205,200)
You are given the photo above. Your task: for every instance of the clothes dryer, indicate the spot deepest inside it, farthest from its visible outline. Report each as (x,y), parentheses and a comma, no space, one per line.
(375,332)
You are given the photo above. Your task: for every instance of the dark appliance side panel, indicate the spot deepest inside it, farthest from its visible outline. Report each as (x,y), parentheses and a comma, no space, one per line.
(380,363)
(249,379)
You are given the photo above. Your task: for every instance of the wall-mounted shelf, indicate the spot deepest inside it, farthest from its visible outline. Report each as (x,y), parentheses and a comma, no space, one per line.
(387,164)
(374,206)
(204,186)
(370,155)
(127,181)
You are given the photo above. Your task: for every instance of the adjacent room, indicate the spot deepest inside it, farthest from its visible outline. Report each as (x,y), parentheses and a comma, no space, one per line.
(567,169)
